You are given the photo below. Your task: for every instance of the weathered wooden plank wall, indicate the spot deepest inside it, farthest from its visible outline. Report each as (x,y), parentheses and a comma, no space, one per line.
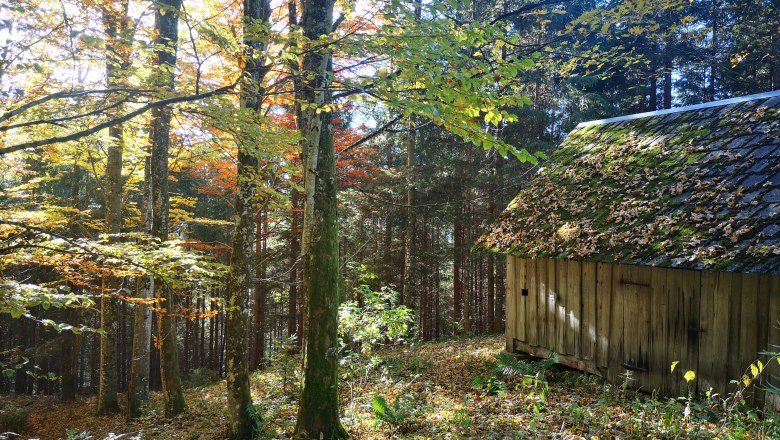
(609,318)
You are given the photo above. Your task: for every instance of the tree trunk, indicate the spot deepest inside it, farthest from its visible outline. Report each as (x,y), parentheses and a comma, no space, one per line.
(457,273)
(115,22)
(237,308)
(406,287)
(243,420)
(668,67)
(292,301)
(71,344)
(715,11)
(138,386)
(166,26)
(259,325)
(501,294)
(491,280)
(318,411)
(141,358)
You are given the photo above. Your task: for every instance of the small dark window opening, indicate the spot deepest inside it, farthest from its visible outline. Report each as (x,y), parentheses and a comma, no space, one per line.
(524,292)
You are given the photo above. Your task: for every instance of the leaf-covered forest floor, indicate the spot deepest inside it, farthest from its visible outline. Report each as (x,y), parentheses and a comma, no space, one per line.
(444,389)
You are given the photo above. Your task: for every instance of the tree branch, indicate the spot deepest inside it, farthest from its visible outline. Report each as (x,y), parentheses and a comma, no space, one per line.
(370,136)
(110,123)
(526,8)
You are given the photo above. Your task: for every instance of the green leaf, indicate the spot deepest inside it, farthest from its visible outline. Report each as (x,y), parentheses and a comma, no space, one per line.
(379,404)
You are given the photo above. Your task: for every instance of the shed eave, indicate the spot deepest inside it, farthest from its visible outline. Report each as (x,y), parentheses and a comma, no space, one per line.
(722,102)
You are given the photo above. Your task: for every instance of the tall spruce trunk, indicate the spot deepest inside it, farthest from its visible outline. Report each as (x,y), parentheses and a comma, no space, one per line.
(407,297)
(116,26)
(292,301)
(457,272)
(668,68)
(318,411)
(408,293)
(491,259)
(166,19)
(241,415)
(715,11)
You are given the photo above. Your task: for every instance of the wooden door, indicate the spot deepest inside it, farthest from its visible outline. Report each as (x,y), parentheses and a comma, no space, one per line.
(633,294)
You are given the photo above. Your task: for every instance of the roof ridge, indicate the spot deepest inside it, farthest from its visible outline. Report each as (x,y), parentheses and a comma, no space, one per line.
(710,104)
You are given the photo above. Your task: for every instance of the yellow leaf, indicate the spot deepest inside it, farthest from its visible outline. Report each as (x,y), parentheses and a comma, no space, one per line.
(689,375)
(760,366)
(674,364)
(746,380)
(753,370)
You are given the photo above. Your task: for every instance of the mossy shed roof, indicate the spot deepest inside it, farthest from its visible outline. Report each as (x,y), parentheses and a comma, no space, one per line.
(696,187)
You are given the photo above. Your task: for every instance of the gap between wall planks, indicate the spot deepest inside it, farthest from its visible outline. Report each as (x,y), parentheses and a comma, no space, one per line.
(608,318)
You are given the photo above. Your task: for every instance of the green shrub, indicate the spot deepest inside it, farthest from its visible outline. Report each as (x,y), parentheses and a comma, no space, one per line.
(13,418)
(379,321)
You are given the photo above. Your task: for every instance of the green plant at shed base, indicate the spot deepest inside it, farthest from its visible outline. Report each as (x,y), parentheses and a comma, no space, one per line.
(510,372)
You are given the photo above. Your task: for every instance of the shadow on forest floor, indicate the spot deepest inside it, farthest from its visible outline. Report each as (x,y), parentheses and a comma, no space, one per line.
(443,389)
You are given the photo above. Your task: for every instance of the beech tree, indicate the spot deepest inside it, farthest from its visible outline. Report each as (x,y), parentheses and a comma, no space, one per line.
(244,421)
(166,19)
(117,31)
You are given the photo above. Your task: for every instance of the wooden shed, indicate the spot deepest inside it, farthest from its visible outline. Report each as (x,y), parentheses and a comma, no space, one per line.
(649,239)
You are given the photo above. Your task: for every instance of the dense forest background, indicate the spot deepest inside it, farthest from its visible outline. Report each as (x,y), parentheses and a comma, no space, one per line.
(413,198)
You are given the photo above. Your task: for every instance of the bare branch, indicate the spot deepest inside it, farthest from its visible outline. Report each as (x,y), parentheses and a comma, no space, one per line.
(110,123)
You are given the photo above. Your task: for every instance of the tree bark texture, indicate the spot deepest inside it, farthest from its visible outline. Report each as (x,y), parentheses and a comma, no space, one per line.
(167,27)
(138,385)
(71,344)
(243,421)
(318,411)
(116,26)
(407,297)
(292,301)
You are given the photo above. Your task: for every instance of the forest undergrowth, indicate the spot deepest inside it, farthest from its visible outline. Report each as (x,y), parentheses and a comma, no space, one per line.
(446,389)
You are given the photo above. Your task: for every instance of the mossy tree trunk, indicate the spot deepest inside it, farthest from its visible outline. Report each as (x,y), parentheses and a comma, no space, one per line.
(318,411)
(116,25)
(166,19)
(243,421)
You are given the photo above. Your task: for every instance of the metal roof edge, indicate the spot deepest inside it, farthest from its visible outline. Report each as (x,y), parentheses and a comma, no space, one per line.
(719,103)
